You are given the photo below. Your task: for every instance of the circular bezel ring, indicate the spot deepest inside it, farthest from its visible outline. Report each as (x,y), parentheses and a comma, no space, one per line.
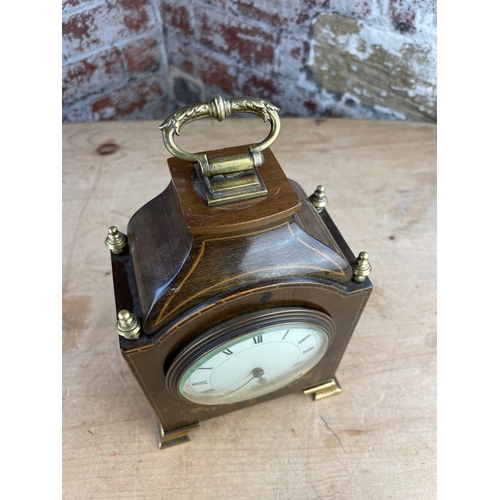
(237,327)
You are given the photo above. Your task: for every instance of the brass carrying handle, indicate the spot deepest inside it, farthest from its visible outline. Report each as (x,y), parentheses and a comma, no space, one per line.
(220,107)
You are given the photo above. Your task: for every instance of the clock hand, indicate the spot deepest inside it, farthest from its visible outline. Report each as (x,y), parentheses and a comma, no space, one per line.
(256,373)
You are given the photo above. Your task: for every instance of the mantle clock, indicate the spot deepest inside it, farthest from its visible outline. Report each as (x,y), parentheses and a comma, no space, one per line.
(232,287)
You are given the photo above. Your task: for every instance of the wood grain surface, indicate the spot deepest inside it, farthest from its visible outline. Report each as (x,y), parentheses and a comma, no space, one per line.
(376,440)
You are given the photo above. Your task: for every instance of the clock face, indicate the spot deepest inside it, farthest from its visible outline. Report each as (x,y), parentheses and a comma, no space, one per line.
(255,358)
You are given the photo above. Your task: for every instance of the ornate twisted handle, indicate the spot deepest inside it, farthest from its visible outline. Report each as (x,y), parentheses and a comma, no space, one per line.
(220,107)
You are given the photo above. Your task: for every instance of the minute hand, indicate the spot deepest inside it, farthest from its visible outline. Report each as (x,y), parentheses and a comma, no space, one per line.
(257,373)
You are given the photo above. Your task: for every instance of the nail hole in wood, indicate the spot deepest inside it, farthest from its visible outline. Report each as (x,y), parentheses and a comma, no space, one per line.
(107,149)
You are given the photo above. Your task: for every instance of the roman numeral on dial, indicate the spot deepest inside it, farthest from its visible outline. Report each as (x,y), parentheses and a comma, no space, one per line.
(258,339)
(227,352)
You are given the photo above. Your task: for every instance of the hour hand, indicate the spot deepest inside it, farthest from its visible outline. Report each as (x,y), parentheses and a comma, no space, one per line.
(256,373)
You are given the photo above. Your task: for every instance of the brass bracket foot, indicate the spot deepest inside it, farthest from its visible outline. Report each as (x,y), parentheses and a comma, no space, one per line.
(324,389)
(171,438)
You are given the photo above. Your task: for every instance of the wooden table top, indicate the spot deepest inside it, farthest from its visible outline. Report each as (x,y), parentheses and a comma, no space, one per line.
(375,440)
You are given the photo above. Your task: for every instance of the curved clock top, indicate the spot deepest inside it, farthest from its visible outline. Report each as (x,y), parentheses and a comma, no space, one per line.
(175,271)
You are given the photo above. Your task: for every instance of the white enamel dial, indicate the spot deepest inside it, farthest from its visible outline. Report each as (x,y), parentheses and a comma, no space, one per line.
(254,364)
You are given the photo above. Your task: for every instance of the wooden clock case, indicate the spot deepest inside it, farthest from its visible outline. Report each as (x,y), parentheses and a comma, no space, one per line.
(189,267)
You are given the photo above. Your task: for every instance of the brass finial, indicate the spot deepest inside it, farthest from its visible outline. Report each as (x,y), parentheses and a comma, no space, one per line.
(318,198)
(128,325)
(115,241)
(361,267)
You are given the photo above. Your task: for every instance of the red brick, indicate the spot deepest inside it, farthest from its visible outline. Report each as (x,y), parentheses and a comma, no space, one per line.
(188,66)
(105,25)
(297,53)
(279,13)
(136,15)
(311,106)
(237,37)
(403,13)
(177,16)
(360,9)
(126,101)
(80,26)
(259,86)
(76,3)
(91,75)
(201,62)
(215,72)
(142,55)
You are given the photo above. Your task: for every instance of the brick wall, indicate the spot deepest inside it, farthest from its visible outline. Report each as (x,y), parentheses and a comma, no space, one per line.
(141,59)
